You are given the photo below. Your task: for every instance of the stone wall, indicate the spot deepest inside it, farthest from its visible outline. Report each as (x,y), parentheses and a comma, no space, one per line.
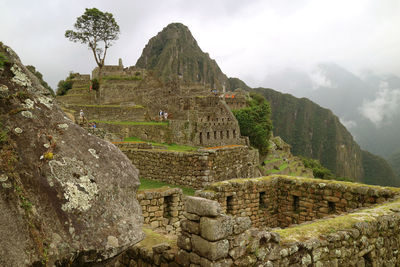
(110,112)
(195,169)
(280,201)
(162,209)
(368,237)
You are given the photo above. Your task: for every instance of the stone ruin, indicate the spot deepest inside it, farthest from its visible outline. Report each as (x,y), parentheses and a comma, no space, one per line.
(197,115)
(281,221)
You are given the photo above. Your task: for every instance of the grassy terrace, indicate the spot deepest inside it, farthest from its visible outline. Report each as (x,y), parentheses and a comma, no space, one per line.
(151,184)
(165,146)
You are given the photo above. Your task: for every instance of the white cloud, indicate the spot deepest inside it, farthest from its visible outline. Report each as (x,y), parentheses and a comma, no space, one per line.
(319,79)
(383,107)
(349,124)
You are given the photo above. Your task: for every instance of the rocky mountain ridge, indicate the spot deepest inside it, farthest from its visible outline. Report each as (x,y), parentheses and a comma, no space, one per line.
(311,130)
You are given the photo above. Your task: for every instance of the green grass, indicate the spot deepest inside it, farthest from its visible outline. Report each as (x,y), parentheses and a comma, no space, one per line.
(109,106)
(134,123)
(281,168)
(272,160)
(170,147)
(151,184)
(122,78)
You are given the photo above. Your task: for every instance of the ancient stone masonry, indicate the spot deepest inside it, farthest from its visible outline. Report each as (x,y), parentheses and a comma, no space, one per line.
(368,236)
(162,209)
(281,201)
(197,116)
(110,112)
(195,169)
(365,238)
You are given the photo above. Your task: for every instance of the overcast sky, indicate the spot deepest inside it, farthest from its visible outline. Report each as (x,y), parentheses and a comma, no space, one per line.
(248,39)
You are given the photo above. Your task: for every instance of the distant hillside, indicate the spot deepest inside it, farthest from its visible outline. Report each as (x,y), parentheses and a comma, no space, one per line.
(314,132)
(394,161)
(378,171)
(174,53)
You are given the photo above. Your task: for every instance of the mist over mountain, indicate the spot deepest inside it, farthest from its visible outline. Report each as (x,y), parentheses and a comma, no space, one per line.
(368,104)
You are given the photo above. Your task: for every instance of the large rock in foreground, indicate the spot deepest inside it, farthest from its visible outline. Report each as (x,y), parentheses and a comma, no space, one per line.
(66,197)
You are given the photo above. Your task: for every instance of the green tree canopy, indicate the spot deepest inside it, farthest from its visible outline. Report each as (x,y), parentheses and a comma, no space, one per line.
(93,28)
(254,122)
(64,85)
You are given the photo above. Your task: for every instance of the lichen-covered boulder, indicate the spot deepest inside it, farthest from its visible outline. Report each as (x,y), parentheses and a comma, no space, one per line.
(66,197)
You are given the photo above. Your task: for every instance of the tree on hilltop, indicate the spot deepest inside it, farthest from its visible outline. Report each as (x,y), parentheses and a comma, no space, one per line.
(93,28)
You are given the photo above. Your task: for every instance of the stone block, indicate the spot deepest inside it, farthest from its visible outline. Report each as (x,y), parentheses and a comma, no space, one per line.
(183,258)
(202,206)
(160,248)
(210,250)
(221,263)
(218,228)
(184,242)
(191,216)
(190,227)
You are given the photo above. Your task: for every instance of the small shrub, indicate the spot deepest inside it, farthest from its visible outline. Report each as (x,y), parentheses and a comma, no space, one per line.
(95,84)
(64,85)
(319,171)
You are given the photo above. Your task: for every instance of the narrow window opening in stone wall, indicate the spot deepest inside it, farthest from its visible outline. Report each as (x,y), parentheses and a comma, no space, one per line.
(234,133)
(331,207)
(227,134)
(229,204)
(262,204)
(368,262)
(296,204)
(201,137)
(167,207)
(208,118)
(222,135)
(215,134)
(208,135)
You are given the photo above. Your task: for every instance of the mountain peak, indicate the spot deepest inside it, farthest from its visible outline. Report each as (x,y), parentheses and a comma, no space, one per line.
(174,54)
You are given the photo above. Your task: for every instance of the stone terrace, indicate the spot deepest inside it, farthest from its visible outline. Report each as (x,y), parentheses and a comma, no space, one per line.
(281,201)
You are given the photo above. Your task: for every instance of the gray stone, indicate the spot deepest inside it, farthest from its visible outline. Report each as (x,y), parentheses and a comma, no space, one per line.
(184,242)
(191,216)
(160,248)
(183,258)
(71,191)
(202,206)
(214,229)
(221,263)
(190,227)
(210,250)
(242,224)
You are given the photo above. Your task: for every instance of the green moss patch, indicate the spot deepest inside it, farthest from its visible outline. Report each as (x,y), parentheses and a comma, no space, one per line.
(165,146)
(330,225)
(152,238)
(146,184)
